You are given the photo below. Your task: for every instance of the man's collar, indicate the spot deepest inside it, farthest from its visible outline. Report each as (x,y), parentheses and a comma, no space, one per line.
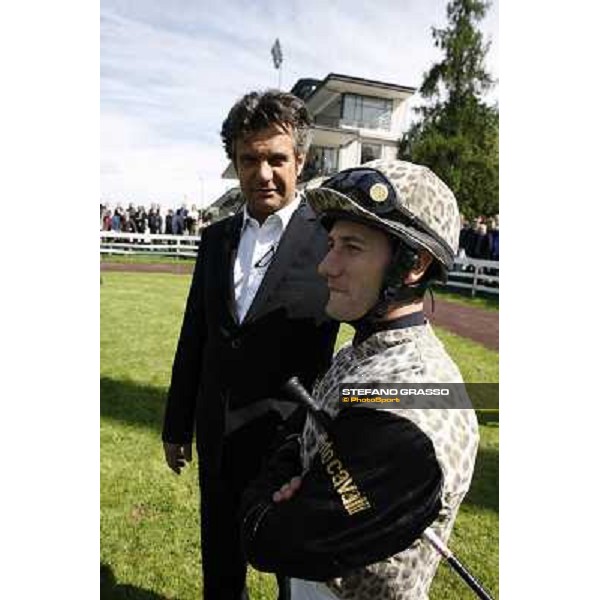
(284,214)
(365,328)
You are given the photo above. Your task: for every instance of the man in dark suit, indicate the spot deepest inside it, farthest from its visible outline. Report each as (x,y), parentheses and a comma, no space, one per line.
(254,318)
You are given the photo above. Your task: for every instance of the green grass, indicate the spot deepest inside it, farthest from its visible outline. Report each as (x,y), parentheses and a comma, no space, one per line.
(477,363)
(149,517)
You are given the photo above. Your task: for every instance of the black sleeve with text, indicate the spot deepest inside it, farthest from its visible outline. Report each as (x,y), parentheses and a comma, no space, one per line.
(371,490)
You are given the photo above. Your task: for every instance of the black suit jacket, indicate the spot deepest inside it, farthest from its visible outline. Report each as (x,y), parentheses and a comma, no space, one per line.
(227,376)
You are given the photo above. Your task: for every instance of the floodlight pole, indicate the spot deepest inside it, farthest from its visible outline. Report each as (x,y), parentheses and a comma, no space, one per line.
(277,55)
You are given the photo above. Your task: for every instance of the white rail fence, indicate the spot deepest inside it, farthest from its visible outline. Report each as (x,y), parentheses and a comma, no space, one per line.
(475,275)
(130,244)
(467,273)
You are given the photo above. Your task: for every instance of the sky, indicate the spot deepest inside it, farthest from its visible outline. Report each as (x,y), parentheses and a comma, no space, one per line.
(170,72)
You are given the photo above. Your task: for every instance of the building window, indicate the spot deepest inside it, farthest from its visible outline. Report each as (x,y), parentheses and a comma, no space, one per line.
(320,161)
(367,112)
(369,152)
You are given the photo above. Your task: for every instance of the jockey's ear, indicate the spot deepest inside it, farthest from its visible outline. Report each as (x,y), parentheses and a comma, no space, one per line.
(419,269)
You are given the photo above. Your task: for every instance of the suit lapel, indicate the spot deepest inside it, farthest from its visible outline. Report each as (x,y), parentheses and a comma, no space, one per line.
(230,246)
(298,231)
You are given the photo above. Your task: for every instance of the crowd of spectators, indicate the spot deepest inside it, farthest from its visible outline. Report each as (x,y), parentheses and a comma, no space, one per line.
(479,238)
(181,221)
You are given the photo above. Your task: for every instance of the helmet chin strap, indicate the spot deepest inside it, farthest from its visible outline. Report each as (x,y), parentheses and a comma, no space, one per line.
(393,290)
(399,293)
(374,319)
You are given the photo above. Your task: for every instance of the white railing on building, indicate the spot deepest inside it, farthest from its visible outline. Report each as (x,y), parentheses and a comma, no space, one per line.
(467,273)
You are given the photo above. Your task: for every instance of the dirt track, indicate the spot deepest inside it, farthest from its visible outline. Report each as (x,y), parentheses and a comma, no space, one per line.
(182,269)
(477,324)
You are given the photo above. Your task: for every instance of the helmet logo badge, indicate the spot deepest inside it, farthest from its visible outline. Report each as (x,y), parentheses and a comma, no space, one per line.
(378,192)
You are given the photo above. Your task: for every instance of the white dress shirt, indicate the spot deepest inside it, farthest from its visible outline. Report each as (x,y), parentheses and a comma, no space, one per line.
(257,248)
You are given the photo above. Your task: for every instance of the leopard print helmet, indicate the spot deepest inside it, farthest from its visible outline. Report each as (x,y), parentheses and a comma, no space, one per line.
(407,201)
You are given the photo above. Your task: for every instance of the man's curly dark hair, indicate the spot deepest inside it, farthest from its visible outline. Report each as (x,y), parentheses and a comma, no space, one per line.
(259,110)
